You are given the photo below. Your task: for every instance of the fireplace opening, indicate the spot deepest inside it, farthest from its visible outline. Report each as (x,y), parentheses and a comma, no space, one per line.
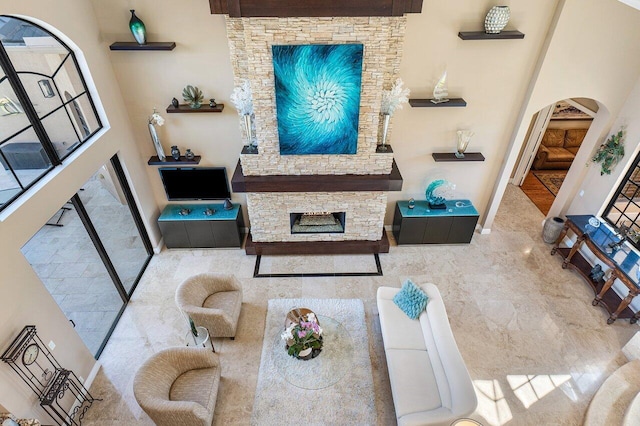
(317,223)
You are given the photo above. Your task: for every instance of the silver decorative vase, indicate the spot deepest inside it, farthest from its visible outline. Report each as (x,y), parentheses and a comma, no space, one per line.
(156,142)
(496,19)
(552,229)
(247,126)
(385,129)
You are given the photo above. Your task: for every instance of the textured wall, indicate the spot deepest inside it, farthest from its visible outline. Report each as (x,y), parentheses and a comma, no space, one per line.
(250,41)
(269,213)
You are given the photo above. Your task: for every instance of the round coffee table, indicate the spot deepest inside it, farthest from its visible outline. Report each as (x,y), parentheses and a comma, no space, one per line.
(327,368)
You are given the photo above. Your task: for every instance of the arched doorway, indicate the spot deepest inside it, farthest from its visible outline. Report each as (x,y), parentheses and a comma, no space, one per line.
(554,138)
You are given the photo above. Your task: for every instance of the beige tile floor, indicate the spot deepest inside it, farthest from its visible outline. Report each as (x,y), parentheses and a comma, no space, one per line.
(535,347)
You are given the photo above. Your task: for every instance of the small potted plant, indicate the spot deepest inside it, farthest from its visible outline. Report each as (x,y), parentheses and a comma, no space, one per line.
(303,337)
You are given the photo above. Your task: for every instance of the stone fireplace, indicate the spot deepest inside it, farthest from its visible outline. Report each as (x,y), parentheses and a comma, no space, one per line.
(279,186)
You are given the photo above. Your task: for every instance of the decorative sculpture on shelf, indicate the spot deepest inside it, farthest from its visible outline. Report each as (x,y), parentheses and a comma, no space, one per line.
(242,99)
(437,201)
(193,96)
(464,137)
(137,28)
(156,119)
(440,91)
(391,100)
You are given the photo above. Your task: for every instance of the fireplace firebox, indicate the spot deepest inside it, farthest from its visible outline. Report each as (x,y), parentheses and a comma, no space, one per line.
(317,222)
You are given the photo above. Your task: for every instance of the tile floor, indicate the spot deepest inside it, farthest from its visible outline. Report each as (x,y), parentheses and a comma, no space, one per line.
(535,347)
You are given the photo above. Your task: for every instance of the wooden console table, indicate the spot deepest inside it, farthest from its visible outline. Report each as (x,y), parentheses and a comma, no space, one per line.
(623,264)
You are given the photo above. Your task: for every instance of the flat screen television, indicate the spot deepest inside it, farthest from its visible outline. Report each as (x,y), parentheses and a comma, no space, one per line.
(195,183)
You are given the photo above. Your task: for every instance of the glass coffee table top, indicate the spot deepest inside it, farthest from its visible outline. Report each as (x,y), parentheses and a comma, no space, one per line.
(324,370)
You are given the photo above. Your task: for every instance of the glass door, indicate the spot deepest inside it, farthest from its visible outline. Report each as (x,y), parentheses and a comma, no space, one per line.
(91,254)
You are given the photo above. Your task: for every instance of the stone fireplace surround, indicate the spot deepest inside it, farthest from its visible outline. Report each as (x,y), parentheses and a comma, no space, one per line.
(276,185)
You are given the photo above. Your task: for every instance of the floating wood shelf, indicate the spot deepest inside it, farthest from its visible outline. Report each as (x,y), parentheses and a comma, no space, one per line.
(386,150)
(185,108)
(426,103)
(295,8)
(318,183)
(450,156)
(169,161)
(481,35)
(132,45)
(247,151)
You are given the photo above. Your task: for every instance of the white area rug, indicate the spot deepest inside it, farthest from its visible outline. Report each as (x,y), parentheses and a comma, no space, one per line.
(350,401)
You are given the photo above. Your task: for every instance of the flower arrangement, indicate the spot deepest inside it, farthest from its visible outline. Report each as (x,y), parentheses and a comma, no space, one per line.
(243,99)
(156,119)
(303,338)
(610,152)
(394,98)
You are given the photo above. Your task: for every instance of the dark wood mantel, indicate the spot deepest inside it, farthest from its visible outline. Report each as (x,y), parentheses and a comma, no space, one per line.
(316,183)
(313,8)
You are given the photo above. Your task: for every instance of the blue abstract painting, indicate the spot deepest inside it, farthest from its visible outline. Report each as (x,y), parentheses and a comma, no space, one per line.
(318,97)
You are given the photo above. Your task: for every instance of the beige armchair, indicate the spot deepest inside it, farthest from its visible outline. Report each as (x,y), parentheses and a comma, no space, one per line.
(212,301)
(179,386)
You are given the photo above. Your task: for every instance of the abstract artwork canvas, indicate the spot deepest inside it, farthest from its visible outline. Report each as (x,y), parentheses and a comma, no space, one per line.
(318,97)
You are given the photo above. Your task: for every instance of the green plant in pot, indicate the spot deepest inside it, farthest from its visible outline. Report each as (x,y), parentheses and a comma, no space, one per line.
(610,152)
(193,96)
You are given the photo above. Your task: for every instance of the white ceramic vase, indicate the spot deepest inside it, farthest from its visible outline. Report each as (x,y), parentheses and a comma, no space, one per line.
(385,129)
(496,19)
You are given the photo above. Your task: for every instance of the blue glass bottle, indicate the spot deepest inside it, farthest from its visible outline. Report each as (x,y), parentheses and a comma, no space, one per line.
(137,28)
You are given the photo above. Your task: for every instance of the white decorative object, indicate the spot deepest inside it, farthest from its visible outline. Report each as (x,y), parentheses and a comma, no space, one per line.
(156,119)
(464,137)
(496,19)
(391,100)
(440,91)
(242,99)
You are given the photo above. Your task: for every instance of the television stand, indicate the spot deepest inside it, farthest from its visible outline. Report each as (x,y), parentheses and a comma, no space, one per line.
(201,226)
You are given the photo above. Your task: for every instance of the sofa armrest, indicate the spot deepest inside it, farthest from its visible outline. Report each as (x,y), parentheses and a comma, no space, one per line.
(541,157)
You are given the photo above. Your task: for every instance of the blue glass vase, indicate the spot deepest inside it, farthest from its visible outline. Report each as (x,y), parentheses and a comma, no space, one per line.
(137,28)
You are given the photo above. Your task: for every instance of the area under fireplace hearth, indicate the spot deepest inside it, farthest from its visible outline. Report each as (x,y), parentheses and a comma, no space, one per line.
(317,222)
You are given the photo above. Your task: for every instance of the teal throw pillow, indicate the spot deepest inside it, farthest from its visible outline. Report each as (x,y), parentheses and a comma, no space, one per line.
(411,299)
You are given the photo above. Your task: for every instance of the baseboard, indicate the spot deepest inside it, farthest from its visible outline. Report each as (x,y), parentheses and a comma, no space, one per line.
(157,249)
(92,374)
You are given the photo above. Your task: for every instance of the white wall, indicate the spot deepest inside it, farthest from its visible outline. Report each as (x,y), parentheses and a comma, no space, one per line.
(25,299)
(584,58)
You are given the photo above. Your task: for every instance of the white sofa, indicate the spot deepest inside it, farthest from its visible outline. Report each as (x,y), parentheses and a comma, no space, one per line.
(429,380)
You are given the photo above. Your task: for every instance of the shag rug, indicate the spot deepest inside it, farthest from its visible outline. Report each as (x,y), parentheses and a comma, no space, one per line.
(350,401)
(551,180)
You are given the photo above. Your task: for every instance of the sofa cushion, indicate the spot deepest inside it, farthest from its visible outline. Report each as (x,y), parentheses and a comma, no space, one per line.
(574,138)
(411,299)
(413,384)
(398,331)
(553,138)
(559,154)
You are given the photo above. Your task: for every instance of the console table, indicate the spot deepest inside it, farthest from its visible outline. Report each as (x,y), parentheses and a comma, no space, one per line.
(623,264)
(424,225)
(201,226)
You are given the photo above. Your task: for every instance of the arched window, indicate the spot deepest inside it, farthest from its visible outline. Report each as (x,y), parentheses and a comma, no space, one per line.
(46,111)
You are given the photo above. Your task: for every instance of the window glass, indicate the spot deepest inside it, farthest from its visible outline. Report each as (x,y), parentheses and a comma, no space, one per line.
(24,158)
(624,207)
(12,116)
(68,79)
(42,93)
(61,132)
(82,116)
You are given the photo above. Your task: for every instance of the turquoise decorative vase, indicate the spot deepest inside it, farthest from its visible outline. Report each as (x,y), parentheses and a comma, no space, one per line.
(137,28)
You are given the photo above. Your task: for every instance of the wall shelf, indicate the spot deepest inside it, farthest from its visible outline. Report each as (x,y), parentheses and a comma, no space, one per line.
(132,45)
(426,103)
(185,108)
(481,35)
(450,156)
(169,161)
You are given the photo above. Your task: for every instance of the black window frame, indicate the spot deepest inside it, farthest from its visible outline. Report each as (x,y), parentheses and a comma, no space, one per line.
(629,190)
(13,78)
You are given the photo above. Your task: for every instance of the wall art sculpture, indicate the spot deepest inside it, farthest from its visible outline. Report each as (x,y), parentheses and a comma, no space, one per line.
(318,97)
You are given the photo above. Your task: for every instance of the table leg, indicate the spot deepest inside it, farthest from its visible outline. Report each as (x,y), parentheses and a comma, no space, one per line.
(622,306)
(573,250)
(607,285)
(563,233)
